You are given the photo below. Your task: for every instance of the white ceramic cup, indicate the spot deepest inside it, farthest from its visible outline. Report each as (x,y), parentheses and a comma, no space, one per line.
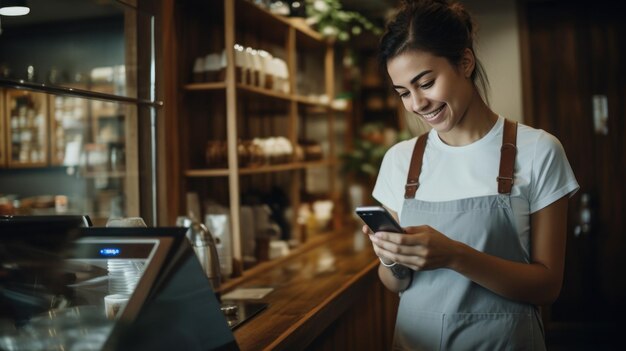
(114,304)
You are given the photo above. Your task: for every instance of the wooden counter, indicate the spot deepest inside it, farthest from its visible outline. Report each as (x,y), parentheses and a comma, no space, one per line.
(325,297)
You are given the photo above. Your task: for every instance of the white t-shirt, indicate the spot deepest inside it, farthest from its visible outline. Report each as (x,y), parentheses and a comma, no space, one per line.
(542,172)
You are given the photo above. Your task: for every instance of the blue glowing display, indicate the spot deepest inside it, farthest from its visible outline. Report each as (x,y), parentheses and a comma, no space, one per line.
(110,251)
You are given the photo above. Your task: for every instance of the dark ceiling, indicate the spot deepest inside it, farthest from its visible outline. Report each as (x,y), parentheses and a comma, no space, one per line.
(47,11)
(43,11)
(375,10)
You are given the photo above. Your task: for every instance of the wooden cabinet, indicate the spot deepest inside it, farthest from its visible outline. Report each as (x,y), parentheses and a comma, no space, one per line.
(228,115)
(3,127)
(590,46)
(27,128)
(93,141)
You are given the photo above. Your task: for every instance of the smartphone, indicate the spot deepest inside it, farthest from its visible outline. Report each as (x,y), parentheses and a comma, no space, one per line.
(378,219)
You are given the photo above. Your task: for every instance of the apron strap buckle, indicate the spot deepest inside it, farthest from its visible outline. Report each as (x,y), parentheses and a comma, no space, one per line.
(504,184)
(411,189)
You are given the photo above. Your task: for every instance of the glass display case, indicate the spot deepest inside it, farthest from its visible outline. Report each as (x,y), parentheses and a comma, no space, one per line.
(78,95)
(106,288)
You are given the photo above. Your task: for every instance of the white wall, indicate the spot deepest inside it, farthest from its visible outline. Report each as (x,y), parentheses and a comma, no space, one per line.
(498,49)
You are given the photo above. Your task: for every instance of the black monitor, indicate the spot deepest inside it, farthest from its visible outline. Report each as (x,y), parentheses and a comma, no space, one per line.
(170,305)
(69,220)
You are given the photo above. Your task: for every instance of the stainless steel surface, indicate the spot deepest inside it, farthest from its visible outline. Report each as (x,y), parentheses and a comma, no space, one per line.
(238,312)
(230,309)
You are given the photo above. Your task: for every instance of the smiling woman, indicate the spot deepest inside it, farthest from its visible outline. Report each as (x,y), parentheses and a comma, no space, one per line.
(482,200)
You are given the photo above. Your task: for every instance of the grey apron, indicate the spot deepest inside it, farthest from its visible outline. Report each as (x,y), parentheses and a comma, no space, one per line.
(442,309)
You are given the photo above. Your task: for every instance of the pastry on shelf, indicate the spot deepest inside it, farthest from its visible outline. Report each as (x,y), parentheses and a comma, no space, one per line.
(311,149)
(215,154)
(276,150)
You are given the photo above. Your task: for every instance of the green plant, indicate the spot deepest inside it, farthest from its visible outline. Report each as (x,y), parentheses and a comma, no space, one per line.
(330,20)
(363,161)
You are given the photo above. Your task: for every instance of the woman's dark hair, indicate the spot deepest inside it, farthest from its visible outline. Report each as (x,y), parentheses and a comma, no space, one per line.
(435,26)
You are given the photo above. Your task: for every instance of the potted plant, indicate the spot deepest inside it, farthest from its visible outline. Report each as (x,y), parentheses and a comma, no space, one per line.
(362,162)
(327,17)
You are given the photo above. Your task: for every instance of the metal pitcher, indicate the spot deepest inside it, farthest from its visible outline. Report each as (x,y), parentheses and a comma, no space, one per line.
(205,247)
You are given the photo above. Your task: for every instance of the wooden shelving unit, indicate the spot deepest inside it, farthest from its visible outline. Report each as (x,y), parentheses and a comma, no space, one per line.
(229,110)
(3,133)
(205,173)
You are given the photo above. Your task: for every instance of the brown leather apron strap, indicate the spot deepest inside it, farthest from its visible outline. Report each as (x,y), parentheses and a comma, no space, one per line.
(508,151)
(412,181)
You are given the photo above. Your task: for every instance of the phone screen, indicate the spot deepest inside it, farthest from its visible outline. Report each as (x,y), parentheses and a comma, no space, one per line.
(378,219)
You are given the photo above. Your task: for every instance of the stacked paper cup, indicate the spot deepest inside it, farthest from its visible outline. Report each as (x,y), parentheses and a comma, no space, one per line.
(123,275)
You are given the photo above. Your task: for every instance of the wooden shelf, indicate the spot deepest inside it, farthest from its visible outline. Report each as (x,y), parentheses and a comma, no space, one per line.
(92,174)
(264,92)
(309,101)
(198,87)
(252,10)
(223,172)
(19,164)
(109,116)
(205,86)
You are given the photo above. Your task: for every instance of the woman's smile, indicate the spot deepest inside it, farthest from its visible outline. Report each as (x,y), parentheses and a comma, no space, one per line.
(434,116)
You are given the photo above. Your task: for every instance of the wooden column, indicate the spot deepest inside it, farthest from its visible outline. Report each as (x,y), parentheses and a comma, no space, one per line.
(231,133)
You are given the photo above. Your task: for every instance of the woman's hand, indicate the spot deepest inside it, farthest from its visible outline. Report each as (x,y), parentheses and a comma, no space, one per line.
(377,250)
(419,248)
